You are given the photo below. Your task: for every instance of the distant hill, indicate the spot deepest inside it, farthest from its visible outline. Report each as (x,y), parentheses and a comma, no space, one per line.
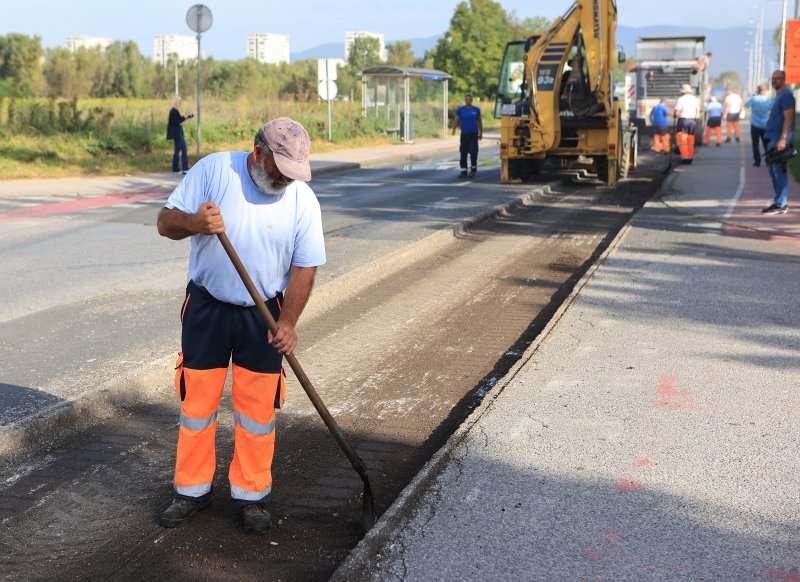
(727,44)
(336,49)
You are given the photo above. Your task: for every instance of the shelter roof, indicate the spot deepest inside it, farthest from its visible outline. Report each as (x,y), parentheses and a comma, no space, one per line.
(391,71)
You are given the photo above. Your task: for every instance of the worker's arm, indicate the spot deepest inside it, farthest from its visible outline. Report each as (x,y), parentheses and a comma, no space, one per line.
(175,224)
(480,127)
(788,117)
(456,123)
(301,280)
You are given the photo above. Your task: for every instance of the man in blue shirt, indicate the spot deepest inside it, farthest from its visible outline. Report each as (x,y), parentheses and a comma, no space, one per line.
(779,134)
(469,118)
(659,117)
(760,104)
(714,121)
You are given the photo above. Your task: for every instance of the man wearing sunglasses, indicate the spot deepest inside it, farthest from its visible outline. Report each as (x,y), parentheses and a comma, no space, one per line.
(260,199)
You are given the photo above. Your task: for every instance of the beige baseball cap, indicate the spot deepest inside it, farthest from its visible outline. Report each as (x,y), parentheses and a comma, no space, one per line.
(290,145)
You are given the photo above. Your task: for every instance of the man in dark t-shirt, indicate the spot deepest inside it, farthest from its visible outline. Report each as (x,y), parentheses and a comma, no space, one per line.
(469,118)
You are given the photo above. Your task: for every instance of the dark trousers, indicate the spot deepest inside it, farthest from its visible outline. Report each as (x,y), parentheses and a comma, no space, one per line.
(180,148)
(756,136)
(469,145)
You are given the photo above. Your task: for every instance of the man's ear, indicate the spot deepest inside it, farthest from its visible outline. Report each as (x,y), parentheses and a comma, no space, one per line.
(258,151)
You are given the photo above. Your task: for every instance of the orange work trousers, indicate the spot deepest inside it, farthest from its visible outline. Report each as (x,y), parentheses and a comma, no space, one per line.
(732,128)
(660,142)
(714,127)
(684,138)
(215,333)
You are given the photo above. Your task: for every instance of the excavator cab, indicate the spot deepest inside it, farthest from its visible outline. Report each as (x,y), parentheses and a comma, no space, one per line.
(513,97)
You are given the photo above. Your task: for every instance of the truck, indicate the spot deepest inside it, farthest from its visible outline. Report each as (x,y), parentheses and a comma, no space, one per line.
(662,64)
(556,101)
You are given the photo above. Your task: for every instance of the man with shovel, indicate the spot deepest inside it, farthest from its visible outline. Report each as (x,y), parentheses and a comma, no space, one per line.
(274,221)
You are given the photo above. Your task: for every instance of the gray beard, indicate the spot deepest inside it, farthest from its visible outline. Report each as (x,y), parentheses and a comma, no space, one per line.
(264,183)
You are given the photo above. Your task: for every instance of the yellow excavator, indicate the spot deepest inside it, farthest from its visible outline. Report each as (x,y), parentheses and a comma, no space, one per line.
(556,98)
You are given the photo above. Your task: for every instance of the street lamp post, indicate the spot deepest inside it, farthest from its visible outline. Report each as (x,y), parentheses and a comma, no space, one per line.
(199,20)
(783,37)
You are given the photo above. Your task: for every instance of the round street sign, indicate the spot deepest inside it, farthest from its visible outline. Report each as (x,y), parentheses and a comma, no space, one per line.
(327,91)
(199,18)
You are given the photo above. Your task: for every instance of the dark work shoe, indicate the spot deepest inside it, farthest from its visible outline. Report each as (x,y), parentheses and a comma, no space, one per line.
(256,518)
(738,140)
(181,510)
(775,209)
(756,164)
(727,140)
(463,174)
(472,173)
(719,145)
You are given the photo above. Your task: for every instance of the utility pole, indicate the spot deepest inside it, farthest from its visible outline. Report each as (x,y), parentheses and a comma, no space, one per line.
(783,36)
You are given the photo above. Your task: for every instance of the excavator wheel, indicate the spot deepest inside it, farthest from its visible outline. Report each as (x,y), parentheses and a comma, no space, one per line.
(523,169)
(601,168)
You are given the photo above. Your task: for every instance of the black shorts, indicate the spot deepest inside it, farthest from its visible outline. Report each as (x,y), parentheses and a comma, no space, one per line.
(660,130)
(714,122)
(732,117)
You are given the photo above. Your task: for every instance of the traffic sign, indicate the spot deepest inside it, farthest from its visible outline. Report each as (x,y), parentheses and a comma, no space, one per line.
(327,91)
(199,18)
(792,52)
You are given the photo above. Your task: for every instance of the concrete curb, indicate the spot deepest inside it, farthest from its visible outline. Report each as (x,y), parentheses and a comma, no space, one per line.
(411,502)
(154,384)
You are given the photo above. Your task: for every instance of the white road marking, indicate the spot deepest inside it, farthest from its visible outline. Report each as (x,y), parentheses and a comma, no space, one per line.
(732,205)
(322,195)
(434,185)
(333,184)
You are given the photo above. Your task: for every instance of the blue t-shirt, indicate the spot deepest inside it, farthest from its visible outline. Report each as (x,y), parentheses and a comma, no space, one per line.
(783,101)
(660,115)
(715,109)
(760,106)
(469,118)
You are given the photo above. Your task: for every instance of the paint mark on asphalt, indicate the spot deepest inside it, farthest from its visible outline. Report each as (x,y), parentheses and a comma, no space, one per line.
(672,398)
(80,205)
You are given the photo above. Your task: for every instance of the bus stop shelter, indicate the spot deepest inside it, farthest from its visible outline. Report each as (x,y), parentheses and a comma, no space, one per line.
(389,92)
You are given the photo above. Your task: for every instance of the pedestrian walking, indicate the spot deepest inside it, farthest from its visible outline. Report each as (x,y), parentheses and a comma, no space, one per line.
(261,201)
(713,122)
(659,117)
(687,110)
(468,117)
(760,105)
(732,112)
(779,134)
(175,133)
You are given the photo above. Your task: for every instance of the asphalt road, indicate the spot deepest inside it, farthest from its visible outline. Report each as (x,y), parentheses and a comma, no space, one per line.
(400,364)
(91,293)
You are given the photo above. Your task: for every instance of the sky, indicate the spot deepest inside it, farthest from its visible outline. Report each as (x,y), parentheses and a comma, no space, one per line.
(313,22)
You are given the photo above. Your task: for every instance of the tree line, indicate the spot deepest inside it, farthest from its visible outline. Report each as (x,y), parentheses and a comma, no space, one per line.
(471,51)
